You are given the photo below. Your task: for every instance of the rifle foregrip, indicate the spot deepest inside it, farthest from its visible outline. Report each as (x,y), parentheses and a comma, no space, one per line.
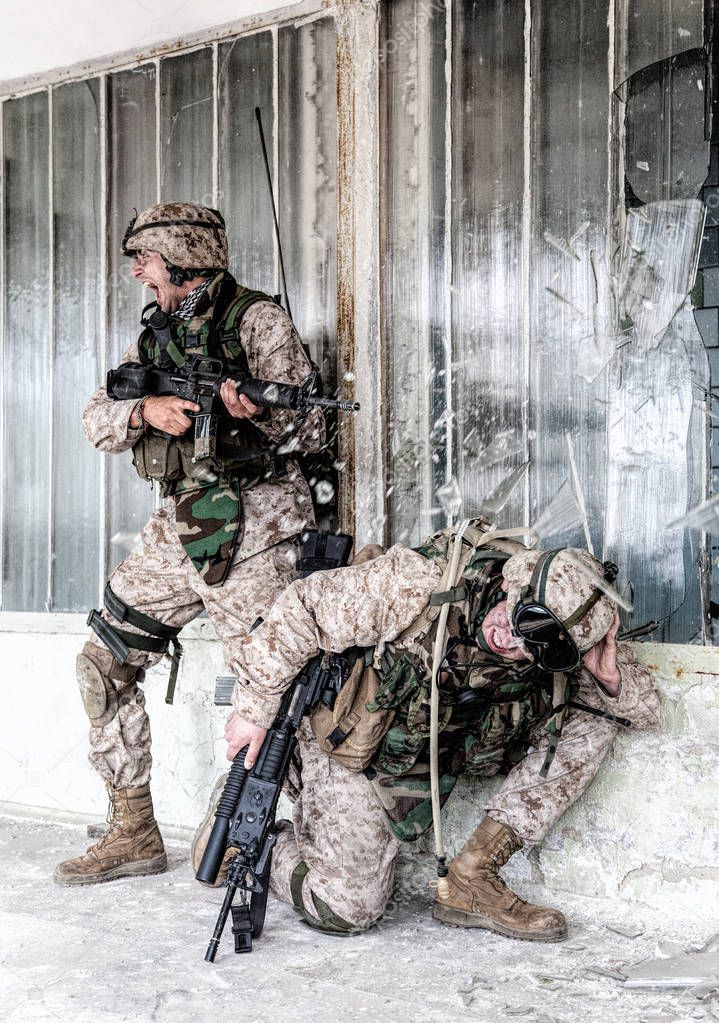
(268,394)
(217,844)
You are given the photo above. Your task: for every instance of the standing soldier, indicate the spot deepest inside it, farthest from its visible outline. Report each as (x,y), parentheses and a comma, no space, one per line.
(221,542)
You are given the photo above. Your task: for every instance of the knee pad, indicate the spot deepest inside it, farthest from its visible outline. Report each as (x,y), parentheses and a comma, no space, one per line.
(324,918)
(96,669)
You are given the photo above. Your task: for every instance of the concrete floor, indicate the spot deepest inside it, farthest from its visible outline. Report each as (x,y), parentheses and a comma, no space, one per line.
(133,950)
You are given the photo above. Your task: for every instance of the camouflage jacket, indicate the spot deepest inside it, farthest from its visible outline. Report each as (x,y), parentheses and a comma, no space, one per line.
(274,509)
(372,605)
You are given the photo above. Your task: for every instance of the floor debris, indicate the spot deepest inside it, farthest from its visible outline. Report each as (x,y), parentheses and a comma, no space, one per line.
(133,950)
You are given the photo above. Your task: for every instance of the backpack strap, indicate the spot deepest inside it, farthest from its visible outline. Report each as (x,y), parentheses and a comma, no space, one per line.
(477,534)
(230,323)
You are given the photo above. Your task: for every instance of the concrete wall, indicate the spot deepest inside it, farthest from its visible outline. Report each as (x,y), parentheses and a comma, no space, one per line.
(43,730)
(645,830)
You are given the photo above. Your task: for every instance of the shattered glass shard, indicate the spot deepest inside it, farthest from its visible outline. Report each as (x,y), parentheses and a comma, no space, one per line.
(659,263)
(630,931)
(595,353)
(601,584)
(503,445)
(503,491)
(450,497)
(602,971)
(702,516)
(125,540)
(561,514)
(685,969)
(324,492)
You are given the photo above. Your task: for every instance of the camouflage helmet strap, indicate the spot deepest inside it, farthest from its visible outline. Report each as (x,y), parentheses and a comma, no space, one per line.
(538,583)
(583,609)
(537,589)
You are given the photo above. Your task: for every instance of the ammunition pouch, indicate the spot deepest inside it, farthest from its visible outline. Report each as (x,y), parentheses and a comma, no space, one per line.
(347,731)
(342,725)
(157,458)
(120,642)
(168,460)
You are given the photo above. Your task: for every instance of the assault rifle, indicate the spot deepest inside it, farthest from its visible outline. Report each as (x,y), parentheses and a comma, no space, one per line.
(200,381)
(245,814)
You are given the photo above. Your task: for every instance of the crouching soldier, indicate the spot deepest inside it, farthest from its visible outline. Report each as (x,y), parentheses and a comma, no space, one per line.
(531,681)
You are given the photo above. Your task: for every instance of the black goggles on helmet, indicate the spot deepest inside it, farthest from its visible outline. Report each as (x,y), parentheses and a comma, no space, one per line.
(544,635)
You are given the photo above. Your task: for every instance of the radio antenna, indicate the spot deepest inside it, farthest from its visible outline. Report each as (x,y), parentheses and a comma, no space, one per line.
(258,115)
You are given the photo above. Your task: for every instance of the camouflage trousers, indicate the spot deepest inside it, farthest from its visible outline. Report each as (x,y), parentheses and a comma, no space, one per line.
(342,833)
(339,838)
(532,805)
(159,580)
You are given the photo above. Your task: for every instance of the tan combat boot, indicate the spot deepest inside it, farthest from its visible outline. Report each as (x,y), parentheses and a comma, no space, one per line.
(478,897)
(132,844)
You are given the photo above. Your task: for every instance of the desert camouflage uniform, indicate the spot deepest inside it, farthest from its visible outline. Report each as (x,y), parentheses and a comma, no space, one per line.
(348,856)
(159,579)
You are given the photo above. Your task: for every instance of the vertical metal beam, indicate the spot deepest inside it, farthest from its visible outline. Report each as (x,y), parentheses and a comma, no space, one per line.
(158,181)
(215,127)
(3,293)
(51,339)
(104,292)
(158,134)
(360,353)
(275,155)
(451,428)
(527,246)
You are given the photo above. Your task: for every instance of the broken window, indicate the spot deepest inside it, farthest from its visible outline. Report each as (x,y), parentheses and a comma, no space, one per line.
(544,361)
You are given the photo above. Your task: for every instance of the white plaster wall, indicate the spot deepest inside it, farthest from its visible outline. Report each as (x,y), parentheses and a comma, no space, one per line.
(42,36)
(43,729)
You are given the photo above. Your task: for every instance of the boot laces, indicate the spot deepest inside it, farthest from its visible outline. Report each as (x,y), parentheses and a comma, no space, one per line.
(502,853)
(113,819)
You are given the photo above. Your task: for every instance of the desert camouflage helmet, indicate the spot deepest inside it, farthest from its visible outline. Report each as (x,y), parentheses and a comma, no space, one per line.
(566,584)
(185,234)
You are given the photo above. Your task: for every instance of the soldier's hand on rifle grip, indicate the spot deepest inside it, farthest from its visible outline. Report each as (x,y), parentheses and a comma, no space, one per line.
(239,733)
(166,413)
(238,405)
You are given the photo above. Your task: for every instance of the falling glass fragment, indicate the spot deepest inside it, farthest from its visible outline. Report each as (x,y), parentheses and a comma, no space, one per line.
(600,583)
(595,353)
(702,516)
(125,540)
(450,497)
(324,492)
(503,445)
(503,491)
(578,492)
(561,514)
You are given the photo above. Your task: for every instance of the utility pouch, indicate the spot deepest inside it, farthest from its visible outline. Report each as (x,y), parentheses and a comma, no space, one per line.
(349,733)
(156,458)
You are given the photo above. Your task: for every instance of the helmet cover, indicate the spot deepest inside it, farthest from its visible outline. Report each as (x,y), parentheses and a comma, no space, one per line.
(570,581)
(185,234)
